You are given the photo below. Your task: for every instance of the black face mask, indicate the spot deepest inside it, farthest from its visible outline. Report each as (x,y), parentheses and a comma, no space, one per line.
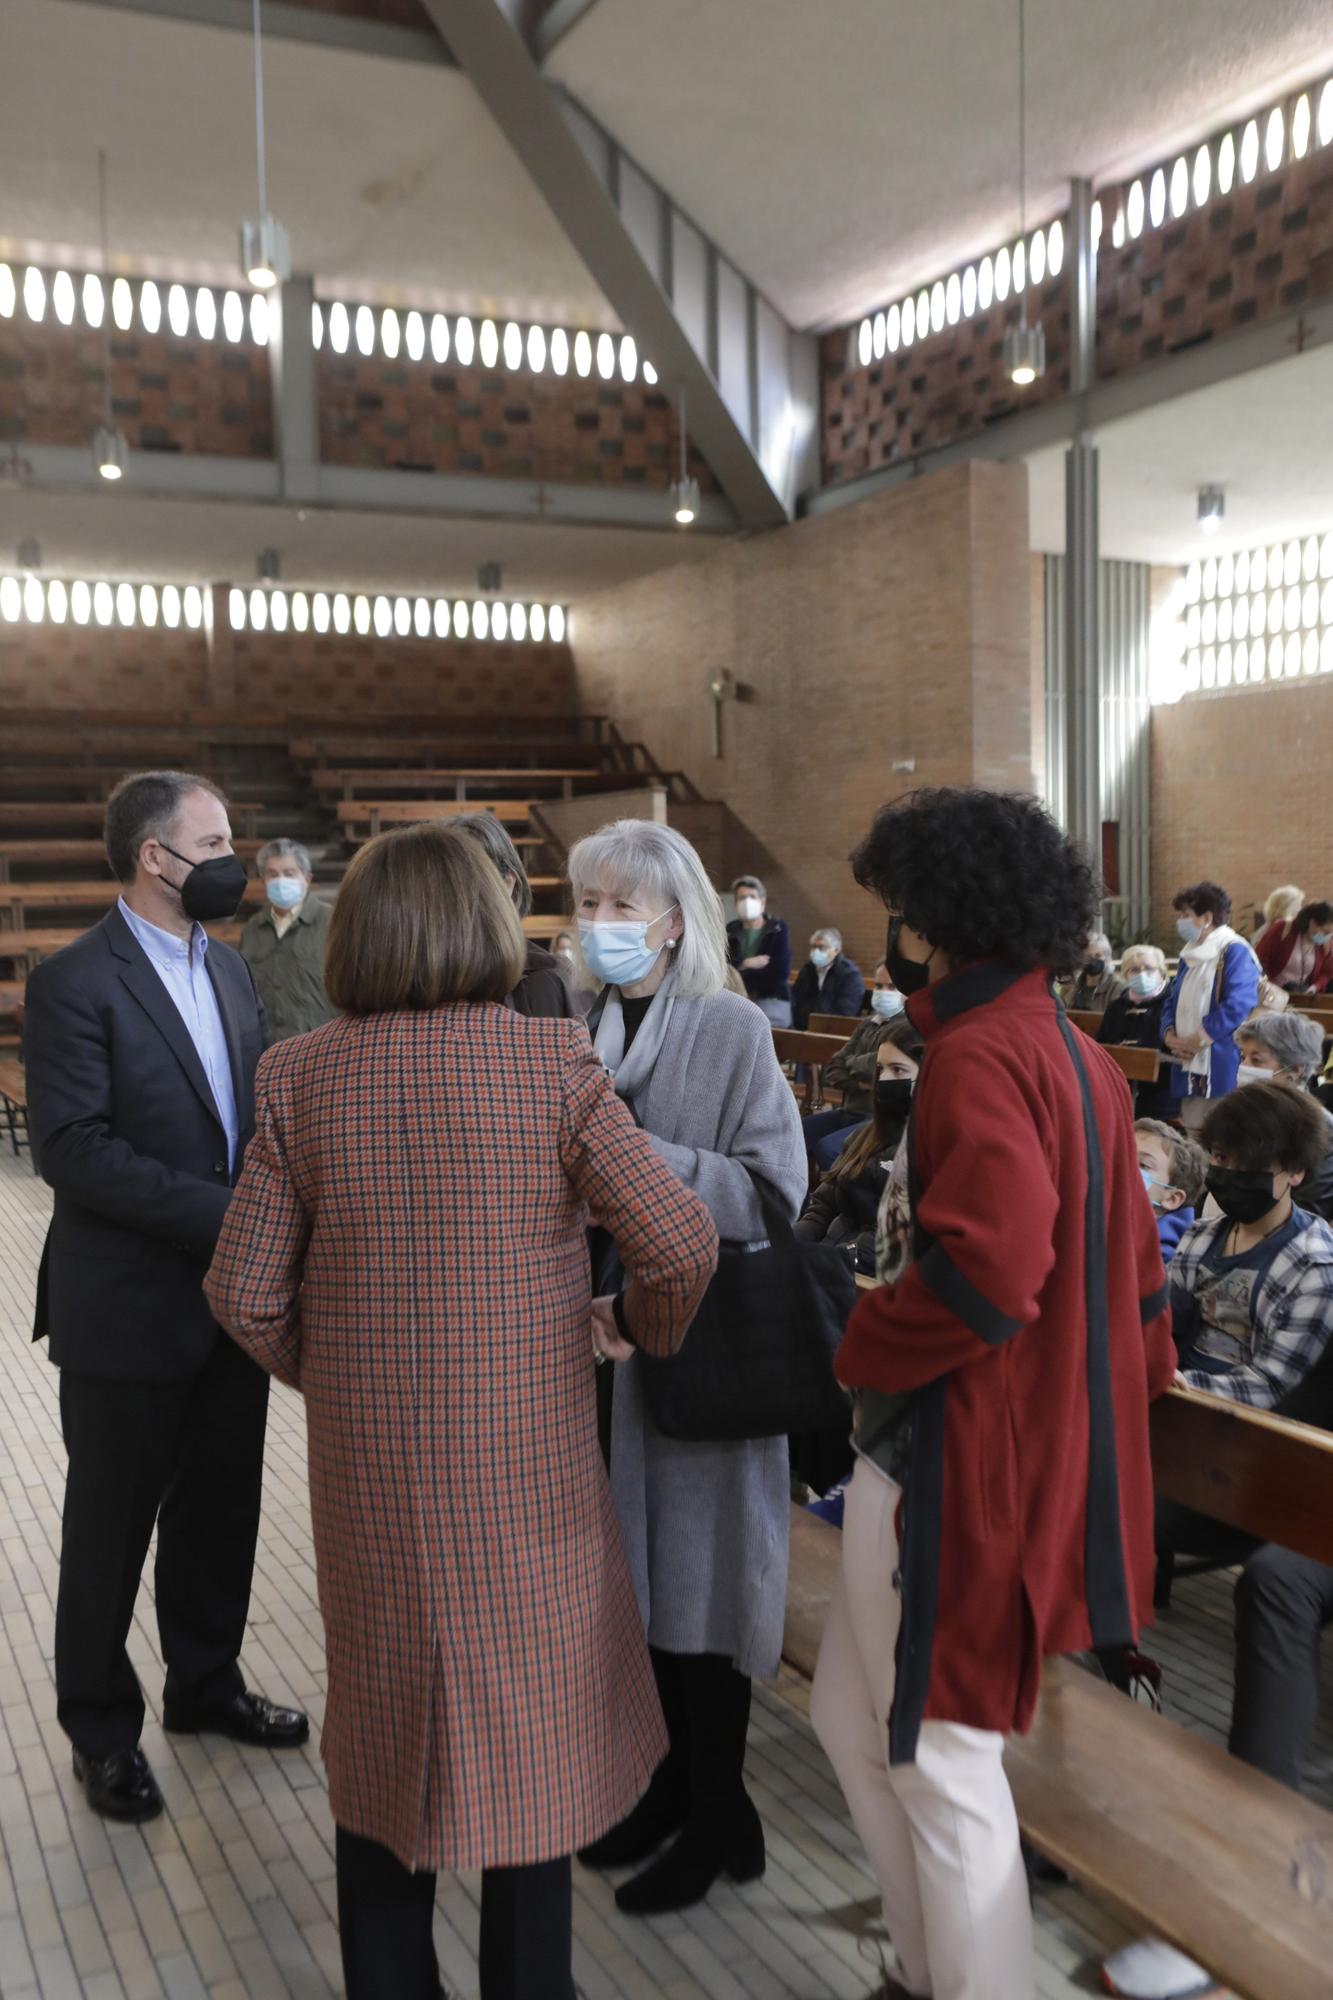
(212,889)
(893,1099)
(1093,968)
(1241,1195)
(907,974)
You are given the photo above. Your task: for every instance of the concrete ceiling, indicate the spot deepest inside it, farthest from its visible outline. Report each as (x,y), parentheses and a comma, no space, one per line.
(156,540)
(1266,437)
(842,151)
(391,178)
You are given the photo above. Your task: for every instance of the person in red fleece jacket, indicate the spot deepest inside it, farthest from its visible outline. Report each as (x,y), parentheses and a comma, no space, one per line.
(1001,1508)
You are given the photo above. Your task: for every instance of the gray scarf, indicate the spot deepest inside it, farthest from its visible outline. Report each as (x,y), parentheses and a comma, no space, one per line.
(632,1072)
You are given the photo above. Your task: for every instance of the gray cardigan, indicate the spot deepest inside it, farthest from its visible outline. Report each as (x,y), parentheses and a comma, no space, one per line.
(705,1525)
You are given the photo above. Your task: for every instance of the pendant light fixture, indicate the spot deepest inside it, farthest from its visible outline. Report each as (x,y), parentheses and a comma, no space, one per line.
(684,491)
(1212,507)
(266,257)
(1024,345)
(111,453)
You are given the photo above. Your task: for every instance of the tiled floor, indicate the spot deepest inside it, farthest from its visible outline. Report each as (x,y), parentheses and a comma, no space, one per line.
(231,1893)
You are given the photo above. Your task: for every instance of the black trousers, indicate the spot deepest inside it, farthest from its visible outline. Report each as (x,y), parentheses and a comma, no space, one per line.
(1283,1603)
(706,1706)
(190,1457)
(385,1920)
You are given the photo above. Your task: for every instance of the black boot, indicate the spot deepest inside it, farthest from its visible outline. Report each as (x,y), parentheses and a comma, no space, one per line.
(723,1834)
(659,1813)
(664,1807)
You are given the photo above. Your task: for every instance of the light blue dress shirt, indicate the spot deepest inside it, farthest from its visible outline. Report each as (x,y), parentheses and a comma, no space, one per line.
(180,966)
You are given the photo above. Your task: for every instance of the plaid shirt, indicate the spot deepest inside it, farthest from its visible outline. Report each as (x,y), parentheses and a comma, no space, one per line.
(1291,1311)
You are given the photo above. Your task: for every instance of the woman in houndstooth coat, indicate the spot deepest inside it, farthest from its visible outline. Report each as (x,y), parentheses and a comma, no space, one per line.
(409,1251)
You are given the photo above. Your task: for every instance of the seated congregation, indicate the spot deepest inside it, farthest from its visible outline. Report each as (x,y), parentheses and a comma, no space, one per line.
(1002,1246)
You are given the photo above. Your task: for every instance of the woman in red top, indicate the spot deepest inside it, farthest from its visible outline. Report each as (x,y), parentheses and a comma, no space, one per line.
(1299,955)
(1001,1509)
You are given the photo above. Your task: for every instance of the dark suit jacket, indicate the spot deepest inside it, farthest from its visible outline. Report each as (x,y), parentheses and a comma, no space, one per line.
(125,1130)
(843,991)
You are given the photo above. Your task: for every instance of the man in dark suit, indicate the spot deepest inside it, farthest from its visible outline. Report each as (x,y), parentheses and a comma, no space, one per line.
(141,1044)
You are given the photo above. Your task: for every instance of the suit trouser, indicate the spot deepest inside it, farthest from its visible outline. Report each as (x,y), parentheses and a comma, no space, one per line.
(190,1457)
(1283,1604)
(386,1916)
(941,1834)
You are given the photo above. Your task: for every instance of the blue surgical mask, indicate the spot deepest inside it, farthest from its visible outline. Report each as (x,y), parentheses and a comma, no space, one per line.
(887,1002)
(1323,939)
(1187,930)
(285,892)
(1143,985)
(819,957)
(1150,1181)
(618,954)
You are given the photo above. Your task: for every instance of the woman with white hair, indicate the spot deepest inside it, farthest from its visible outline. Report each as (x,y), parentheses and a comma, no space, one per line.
(705,1525)
(1134,1019)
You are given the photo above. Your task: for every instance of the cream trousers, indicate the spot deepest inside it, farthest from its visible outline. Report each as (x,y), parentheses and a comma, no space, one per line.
(941,1834)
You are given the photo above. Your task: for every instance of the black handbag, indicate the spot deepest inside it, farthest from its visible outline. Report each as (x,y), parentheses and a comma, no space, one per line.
(757,1361)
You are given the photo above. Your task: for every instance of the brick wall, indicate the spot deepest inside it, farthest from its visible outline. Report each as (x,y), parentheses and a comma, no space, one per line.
(895,629)
(167,394)
(1262,251)
(91,667)
(1241,794)
(522,426)
(254,675)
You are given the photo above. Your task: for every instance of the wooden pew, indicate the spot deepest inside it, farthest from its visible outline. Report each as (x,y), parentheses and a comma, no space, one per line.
(438,748)
(843,1026)
(62,816)
(71,780)
(1318,1004)
(17,898)
(362,819)
(457,782)
(791,1045)
(1179,1837)
(74,854)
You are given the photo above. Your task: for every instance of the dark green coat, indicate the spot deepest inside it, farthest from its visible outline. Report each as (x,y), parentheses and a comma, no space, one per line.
(289,970)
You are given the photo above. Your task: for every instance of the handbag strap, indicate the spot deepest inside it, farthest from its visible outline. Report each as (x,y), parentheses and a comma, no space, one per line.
(775,1221)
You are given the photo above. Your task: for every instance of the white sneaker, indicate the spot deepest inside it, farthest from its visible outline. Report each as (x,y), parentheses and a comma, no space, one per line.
(1150,1969)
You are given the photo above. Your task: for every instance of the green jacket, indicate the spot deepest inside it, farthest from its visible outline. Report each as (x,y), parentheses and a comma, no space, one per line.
(289,970)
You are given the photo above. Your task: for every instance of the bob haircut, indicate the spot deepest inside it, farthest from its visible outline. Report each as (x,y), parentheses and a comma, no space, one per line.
(1269,1128)
(1204,899)
(422,919)
(1320,914)
(1142,954)
(652,864)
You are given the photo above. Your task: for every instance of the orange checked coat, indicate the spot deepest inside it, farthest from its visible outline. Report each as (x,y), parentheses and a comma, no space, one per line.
(407,1247)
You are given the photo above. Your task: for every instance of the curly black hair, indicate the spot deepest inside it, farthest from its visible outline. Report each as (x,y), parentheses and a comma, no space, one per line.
(1312,914)
(1204,899)
(982,875)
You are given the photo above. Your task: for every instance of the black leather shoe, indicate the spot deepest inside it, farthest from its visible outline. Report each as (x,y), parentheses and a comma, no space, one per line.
(120,1786)
(247,1718)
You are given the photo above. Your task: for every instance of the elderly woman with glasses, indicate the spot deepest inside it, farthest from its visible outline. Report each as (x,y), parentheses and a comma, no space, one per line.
(705,1524)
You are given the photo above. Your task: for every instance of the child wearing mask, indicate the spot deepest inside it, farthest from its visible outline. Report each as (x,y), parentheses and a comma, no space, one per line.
(1252,1292)
(1174,1171)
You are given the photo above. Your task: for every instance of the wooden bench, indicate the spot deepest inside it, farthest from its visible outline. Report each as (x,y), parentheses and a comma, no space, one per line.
(362,819)
(14,1100)
(74,854)
(1179,1837)
(317,751)
(842,1026)
(73,780)
(794,1045)
(1318,1004)
(64,815)
(17,898)
(457,782)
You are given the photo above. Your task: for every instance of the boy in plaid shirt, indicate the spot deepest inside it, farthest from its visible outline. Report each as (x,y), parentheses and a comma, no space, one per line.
(1252,1291)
